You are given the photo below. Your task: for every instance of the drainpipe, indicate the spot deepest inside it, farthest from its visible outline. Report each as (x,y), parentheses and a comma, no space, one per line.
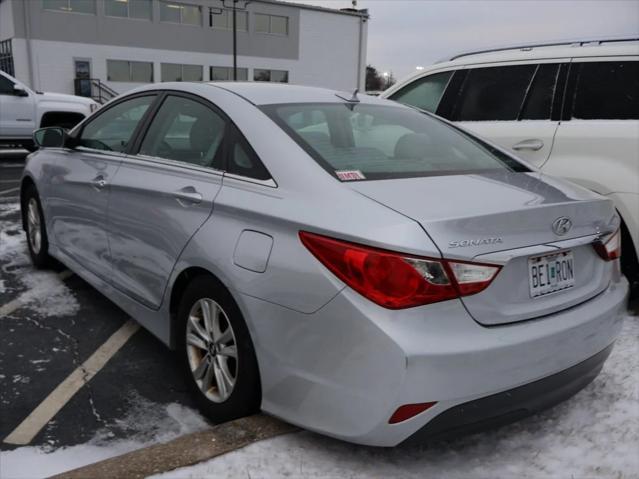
(362,19)
(27,35)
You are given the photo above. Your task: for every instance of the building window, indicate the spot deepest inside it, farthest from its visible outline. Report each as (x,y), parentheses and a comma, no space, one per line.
(226,73)
(180,13)
(140,9)
(177,72)
(6,57)
(126,71)
(223,19)
(273,24)
(75,6)
(278,76)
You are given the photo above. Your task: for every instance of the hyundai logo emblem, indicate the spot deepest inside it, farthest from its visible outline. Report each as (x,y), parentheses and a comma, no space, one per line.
(561,225)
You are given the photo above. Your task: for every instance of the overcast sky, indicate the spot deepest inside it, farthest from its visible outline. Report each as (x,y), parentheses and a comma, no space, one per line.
(403,34)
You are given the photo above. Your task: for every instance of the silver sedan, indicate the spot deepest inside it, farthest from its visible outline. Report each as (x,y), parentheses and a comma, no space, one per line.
(354,266)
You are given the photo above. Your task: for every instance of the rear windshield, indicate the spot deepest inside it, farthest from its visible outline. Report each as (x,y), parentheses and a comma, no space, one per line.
(373,142)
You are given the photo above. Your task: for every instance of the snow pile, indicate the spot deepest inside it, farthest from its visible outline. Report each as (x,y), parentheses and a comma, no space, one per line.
(595,434)
(146,423)
(45,294)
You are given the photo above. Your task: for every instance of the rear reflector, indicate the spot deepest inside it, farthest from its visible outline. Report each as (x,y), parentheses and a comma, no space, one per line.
(409,410)
(609,248)
(395,280)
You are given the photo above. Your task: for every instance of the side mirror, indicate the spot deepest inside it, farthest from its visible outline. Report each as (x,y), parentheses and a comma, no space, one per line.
(19,91)
(52,137)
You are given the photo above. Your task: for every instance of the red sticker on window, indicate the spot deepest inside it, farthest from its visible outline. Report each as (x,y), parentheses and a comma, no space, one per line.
(350,175)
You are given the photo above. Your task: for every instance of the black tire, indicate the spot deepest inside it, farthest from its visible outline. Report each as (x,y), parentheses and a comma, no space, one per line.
(245,396)
(38,250)
(629,261)
(29,146)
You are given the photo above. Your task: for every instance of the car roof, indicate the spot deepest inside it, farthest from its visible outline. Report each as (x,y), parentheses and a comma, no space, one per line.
(547,52)
(530,54)
(265,93)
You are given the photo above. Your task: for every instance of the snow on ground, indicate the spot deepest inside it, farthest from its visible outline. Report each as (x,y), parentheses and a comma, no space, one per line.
(146,423)
(595,434)
(14,260)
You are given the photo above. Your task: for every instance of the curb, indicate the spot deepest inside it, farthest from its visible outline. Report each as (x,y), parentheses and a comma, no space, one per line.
(185,450)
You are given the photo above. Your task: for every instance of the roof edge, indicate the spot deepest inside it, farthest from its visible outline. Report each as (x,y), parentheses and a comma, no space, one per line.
(363,13)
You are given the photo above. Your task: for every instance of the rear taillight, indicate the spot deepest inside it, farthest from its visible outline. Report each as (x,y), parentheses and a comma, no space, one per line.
(609,248)
(396,280)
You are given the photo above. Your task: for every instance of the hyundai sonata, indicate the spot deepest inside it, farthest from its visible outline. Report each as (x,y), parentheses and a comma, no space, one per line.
(351,265)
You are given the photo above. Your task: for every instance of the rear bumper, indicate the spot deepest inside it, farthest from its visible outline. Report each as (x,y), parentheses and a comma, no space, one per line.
(513,404)
(343,370)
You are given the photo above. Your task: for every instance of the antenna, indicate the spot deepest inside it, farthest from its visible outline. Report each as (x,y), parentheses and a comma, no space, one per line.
(352,99)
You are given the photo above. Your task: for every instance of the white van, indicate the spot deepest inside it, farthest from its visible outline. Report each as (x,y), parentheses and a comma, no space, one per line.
(570,109)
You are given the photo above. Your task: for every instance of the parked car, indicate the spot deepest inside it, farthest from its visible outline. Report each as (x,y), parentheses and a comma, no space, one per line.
(349,264)
(22,111)
(570,109)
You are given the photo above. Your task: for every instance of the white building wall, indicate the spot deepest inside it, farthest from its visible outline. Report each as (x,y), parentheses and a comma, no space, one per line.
(6,20)
(329,50)
(54,61)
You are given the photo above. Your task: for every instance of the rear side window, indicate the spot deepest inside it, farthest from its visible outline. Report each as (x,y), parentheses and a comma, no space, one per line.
(424,93)
(242,159)
(493,94)
(607,90)
(375,142)
(538,103)
(185,130)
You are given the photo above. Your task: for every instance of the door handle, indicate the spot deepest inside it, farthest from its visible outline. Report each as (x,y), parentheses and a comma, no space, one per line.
(99,182)
(532,144)
(188,195)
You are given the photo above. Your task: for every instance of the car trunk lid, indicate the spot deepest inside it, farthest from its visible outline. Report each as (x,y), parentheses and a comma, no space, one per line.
(507,218)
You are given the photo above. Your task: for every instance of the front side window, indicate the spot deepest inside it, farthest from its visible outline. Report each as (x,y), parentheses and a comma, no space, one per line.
(273,24)
(607,90)
(424,93)
(226,74)
(187,131)
(6,86)
(374,142)
(279,76)
(127,71)
(180,13)
(493,93)
(140,9)
(177,72)
(75,6)
(223,19)
(112,129)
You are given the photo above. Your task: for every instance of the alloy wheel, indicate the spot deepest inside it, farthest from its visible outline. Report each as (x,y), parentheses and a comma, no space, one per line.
(33,226)
(212,350)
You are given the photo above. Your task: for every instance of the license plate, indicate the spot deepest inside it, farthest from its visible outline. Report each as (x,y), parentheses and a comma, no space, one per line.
(551,273)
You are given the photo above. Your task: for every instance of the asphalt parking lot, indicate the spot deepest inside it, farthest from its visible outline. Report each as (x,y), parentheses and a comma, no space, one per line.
(50,323)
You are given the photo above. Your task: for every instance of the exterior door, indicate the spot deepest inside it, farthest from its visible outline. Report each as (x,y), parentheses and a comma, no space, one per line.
(17,113)
(162,195)
(78,199)
(82,77)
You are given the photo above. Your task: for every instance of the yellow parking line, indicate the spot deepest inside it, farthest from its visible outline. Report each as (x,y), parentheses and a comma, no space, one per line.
(55,401)
(28,296)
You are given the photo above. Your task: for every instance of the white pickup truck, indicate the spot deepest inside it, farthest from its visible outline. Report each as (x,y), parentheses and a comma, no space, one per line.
(23,110)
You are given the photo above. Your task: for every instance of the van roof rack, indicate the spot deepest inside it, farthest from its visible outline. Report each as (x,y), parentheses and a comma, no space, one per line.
(574,43)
